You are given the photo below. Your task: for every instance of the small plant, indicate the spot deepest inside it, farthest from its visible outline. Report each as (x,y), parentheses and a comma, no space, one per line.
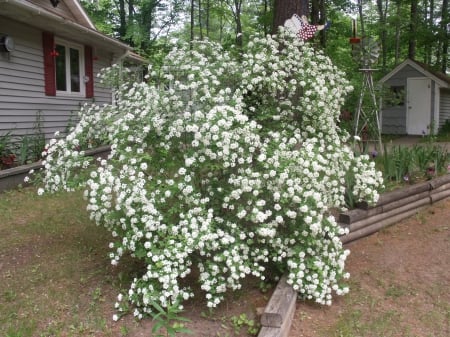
(265,286)
(124,331)
(396,291)
(37,141)
(407,165)
(7,156)
(243,321)
(169,320)
(23,150)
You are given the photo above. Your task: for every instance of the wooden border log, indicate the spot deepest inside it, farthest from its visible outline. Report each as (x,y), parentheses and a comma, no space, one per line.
(271,332)
(440,188)
(355,215)
(403,193)
(392,213)
(436,182)
(281,305)
(13,177)
(405,201)
(439,195)
(391,196)
(282,331)
(358,214)
(375,227)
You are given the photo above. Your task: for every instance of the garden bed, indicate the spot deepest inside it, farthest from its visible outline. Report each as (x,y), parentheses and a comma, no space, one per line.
(393,207)
(12,177)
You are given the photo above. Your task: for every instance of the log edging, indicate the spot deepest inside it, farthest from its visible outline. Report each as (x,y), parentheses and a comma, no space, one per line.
(277,317)
(391,207)
(13,177)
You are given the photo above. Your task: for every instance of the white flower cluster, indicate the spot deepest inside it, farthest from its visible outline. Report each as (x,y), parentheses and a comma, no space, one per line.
(225,167)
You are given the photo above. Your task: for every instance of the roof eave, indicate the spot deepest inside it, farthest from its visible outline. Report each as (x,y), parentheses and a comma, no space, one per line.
(417,67)
(51,21)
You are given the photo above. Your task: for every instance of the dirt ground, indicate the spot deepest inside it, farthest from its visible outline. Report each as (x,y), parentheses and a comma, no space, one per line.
(399,286)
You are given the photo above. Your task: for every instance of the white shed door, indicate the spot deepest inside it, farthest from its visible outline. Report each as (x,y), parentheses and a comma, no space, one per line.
(418,115)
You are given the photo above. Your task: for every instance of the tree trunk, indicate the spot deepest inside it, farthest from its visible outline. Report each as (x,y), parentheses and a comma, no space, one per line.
(122,19)
(237,18)
(315,12)
(266,10)
(221,21)
(413,30)
(130,10)
(382,10)
(322,20)
(192,19)
(200,25)
(361,17)
(284,9)
(207,17)
(430,24)
(236,10)
(446,35)
(397,32)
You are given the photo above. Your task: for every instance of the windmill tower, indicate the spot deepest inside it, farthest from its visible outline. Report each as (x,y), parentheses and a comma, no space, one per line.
(365,52)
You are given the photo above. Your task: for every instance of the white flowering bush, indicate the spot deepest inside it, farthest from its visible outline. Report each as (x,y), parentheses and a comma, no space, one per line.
(226,166)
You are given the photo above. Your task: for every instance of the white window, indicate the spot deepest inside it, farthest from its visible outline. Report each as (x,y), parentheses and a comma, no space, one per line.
(69,64)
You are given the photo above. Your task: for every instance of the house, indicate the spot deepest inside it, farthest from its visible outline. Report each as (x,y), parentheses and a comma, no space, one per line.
(422,100)
(50,55)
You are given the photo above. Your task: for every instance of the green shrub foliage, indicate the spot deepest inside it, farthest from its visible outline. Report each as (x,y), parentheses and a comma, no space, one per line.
(227,166)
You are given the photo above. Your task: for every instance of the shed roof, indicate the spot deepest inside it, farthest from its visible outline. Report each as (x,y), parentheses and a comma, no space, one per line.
(440,78)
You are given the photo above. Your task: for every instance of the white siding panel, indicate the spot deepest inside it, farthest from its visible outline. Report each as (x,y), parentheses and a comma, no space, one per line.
(444,107)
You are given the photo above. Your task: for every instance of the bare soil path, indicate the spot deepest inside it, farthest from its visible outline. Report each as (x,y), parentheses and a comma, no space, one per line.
(399,285)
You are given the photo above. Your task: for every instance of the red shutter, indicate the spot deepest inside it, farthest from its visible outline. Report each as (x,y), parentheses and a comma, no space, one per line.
(48,44)
(89,71)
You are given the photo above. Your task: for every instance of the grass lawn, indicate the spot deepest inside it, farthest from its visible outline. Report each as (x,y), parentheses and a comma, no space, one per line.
(55,276)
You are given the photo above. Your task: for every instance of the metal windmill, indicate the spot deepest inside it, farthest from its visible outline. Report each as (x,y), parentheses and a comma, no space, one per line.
(365,52)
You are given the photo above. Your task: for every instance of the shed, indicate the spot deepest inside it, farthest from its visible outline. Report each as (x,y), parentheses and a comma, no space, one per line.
(50,55)
(422,100)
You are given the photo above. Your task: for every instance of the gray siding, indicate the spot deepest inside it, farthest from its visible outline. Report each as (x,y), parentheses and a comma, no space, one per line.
(394,117)
(399,79)
(444,107)
(22,85)
(394,120)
